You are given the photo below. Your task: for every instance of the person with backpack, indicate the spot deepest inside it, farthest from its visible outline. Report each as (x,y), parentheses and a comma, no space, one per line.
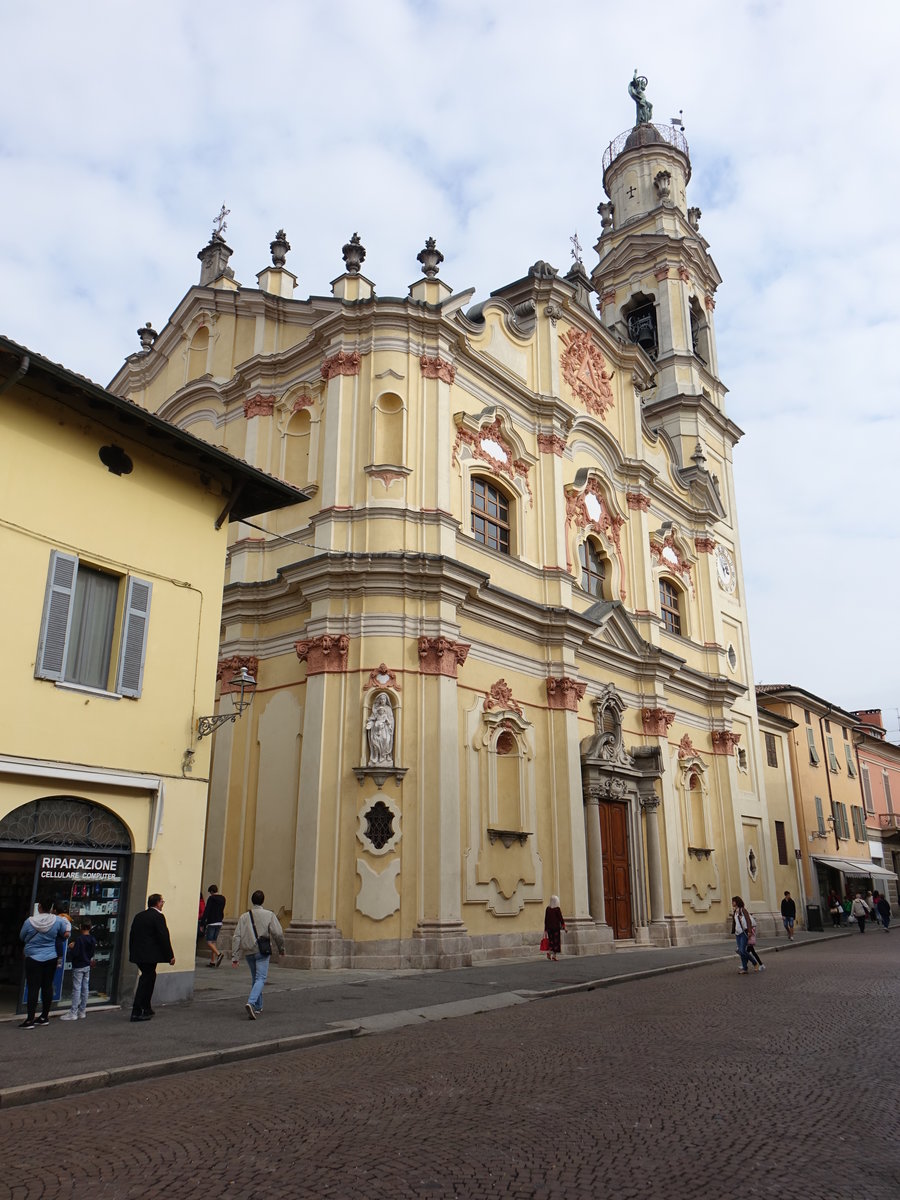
(256,931)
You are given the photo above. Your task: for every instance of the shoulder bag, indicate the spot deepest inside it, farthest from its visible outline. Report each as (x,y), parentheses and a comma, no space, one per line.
(265,942)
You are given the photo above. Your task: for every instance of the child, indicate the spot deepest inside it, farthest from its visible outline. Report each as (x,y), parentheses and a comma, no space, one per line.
(81,953)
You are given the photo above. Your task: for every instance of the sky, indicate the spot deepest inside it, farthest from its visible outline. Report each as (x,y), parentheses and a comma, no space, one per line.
(126,127)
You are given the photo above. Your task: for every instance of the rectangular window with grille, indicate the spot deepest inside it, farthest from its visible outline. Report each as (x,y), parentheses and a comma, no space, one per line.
(84,639)
(781,843)
(771,750)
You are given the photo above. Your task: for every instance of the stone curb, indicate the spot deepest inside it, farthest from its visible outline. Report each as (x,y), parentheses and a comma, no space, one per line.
(52,1089)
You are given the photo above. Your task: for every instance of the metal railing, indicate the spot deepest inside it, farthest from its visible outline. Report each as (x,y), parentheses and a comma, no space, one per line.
(670,134)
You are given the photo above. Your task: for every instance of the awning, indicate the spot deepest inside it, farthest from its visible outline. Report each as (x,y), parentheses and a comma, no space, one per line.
(858,868)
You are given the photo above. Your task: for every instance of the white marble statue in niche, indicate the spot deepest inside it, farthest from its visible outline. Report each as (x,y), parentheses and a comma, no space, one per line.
(380,732)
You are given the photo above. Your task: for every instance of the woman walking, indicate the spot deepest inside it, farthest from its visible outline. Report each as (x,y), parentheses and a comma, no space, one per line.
(741,924)
(553,923)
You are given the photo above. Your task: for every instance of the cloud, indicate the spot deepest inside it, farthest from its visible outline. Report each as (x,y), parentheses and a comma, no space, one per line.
(484,126)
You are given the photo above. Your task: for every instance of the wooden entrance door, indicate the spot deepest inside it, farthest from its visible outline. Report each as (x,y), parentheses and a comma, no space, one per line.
(616,873)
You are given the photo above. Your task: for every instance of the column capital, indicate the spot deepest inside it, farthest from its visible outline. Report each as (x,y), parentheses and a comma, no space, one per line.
(324,655)
(442,656)
(563,692)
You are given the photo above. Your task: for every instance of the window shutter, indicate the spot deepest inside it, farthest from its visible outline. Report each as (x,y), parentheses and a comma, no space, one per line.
(851,766)
(781,840)
(51,654)
(820,816)
(886,780)
(813,752)
(845,828)
(133,650)
(867,790)
(832,757)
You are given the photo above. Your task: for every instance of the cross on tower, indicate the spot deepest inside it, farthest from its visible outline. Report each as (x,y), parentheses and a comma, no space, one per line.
(630,192)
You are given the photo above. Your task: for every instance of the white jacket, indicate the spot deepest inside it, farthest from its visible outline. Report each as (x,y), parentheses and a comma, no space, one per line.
(243,940)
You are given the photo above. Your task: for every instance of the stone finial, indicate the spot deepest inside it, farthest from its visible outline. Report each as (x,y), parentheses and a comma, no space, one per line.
(693,216)
(698,457)
(542,270)
(430,258)
(354,253)
(148,336)
(606,212)
(214,259)
(279,248)
(662,181)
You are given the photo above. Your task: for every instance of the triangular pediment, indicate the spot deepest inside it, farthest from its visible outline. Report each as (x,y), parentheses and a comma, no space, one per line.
(615,628)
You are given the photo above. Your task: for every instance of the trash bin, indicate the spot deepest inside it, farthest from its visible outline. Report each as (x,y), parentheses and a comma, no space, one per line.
(814,919)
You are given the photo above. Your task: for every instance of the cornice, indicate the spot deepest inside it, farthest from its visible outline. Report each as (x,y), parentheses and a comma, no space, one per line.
(655,411)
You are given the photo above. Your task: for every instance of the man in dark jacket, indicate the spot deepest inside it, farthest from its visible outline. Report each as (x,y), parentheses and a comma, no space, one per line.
(148,944)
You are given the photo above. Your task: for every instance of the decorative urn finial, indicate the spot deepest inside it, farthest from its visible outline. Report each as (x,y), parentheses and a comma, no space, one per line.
(354,253)
(279,248)
(148,336)
(430,258)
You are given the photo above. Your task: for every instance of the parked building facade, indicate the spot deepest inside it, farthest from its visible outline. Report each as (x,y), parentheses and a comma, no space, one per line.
(114,531)
(879,775)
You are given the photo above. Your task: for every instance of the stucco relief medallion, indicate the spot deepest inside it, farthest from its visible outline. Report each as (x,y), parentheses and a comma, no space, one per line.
(584,370)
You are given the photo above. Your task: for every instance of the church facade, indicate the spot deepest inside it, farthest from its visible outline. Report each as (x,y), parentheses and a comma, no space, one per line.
(503,650)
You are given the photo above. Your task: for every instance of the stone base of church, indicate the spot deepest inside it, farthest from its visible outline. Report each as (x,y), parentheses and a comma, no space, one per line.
(315,945)
(681,933)
(584,936)
(439,945)
(659,934)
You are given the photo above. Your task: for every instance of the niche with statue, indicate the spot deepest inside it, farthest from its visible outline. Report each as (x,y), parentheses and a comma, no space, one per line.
(380,733)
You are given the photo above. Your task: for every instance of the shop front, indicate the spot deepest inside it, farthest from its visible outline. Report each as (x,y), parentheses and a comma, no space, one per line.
(847,876)
(75,856)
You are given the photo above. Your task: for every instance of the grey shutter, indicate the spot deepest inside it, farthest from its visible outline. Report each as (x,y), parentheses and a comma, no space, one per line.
(51,653)
(130,675)
(820,816)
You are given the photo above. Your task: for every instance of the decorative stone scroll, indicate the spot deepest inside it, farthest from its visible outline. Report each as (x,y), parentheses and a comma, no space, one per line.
(710,303)
(441,656)
(637,501)
(303,401)
(588,508)
(704,545)
(564,693)
(345,362)
(551,443)
(500,696)
(656,721)
(686,748)
(259,406)
(662,273)
(724,741)
(668,554)
(325,655)
(490,445)
(437,368)
(584,370)
(227,668)
(684,275)
(382,676)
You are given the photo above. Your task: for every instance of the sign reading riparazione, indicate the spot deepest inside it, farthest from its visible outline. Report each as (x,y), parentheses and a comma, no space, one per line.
(79,867)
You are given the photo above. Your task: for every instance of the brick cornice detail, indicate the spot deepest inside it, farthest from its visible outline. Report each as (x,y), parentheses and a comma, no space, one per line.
(437,368)
(637,500)
(564,692)
(656,721)
(345,362)
(608,297)
(684,275)
(259,406)
(325,655)
(441,656)
(227,668)
(704,545)
(661,273)
(710,303)
(551,443)
(724,741)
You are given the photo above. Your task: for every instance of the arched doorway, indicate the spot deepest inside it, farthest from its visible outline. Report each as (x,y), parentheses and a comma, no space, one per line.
(74,854)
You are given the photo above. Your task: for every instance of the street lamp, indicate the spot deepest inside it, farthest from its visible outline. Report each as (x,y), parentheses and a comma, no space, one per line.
(243,685)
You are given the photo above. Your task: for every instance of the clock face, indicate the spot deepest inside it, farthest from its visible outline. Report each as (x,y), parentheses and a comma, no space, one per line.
(725,570)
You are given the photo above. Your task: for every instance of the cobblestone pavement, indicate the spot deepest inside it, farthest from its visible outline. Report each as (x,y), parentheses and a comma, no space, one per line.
(697,1084)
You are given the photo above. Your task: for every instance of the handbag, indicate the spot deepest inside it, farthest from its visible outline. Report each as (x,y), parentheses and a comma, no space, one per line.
(545,944)
(265,942)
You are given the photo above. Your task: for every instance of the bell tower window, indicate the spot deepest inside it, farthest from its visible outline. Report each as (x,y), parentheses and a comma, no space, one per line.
(639,316)
(593,568)
(699,331)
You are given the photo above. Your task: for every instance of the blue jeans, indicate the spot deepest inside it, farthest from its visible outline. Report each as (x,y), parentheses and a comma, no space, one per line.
(259,970)
(741,940)
(81,979)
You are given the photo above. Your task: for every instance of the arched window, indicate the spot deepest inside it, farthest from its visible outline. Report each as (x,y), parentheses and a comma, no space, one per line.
(490,515)
(670,606)
(593,568)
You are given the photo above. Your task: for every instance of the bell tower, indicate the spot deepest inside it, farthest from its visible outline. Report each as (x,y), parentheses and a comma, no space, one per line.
(655,278)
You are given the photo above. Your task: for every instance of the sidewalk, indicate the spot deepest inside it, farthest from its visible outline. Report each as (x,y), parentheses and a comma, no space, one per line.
(308,1007)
